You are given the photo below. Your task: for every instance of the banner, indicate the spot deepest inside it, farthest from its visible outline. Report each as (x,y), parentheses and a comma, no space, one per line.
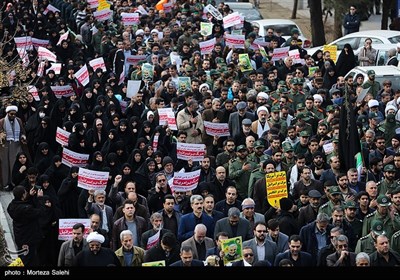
(235,41)
(231,20)
(216,129)
(207,46)
(44,54)
(184,84)
(82,75)
(156,263)
(213,11)
(130,19)
(134,59)
(62,136)
(311,70)
(35,93)
(147,72)
(24,42)
(62,91)
(40,43)
(92,180)
(56,67)
(98,63)
(63,37)
(133,88)
(185,181)
(103,5)
(93,4)
(153,240)
(50,8)
(65,228)
(167,116)
(295,55)
(276,187)
(71,158)
(232,249)
(332,49)
(155,142)
(188,151)
(206,28)
(103,15)
(41,68)
(280,53)
(244,62)
(23,54)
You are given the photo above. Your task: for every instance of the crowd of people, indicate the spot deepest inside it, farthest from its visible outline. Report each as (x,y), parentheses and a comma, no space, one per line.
(282,114)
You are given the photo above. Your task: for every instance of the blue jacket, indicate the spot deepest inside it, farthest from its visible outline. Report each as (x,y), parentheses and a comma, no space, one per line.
(351,23)
(188,223)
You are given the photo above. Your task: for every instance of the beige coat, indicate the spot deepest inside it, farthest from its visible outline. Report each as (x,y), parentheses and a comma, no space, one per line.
(183,123)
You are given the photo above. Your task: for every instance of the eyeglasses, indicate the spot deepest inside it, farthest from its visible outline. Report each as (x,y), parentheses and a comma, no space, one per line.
(342,246)
(248,255)
(161,180)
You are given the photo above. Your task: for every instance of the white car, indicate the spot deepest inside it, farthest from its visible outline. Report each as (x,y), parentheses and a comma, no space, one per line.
(390,72)
(356,40)
(248,10)
(284,25)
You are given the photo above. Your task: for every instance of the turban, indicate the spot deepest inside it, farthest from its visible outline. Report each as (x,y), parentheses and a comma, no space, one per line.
(94,236)
(11,108)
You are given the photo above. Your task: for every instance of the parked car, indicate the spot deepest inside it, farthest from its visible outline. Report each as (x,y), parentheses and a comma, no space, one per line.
(284,25)
(248,10)
(356,40)
(391,73)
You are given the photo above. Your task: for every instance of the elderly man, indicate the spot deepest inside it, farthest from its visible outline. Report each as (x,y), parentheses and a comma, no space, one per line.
(249,214)
(261,126)
(128,254)
(95,255)
(12,135)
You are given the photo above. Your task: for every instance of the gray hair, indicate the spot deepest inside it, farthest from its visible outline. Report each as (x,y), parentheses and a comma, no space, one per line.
(200,227)
(156,215)
(196,197)
(99,192)
(362,256)
(341,238)
(125,232)
(322,217)
(233,211)
(392,52)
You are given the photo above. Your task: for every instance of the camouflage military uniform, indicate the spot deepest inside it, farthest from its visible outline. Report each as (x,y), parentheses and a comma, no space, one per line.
(254,176)
(365,244)
(385,186)
(240,176)
(389,226)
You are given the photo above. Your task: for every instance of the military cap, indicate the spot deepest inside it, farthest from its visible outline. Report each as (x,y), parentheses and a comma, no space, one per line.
(389,168)
(377,227)
(287,147)
(373,115)
(362,119)
(350,204)
(240,148)
(258,144)
(370,72)
(330,108)
(304,133)
(265,59)
(334,190)
(252,35)
(335,140)
(295,31)
(293,81)
(283,83)
(214,72)
(383,200)
(188,68)
(219,60)
(303,116)
(275,108)
(300,106)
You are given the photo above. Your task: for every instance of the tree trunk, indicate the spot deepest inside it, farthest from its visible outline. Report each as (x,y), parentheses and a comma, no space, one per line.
(294,11)
(337,23)
(386,6)
(317,33)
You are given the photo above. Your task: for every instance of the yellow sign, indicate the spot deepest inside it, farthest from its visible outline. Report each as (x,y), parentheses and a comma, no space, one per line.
(103,5)
(17,262)
(333,50)
(156,263)
(276,187)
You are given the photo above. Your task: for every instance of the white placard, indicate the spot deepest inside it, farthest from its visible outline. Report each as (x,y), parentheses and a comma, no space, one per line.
(133,88)
(82,75)
(98,63)
(62,136)
(216,129)
(185,181)
(65,228)
(71,158)
(92,180)
(188,151)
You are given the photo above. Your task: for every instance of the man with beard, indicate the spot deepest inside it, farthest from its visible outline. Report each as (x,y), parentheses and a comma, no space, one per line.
(309,213)
(318,165)
(240,138)
(293,175)
(384,255)
(346,192)
(156,220)
(350,209)
(337,219)
(236,119)
(387,184)
(385,214)
(371,83)
(69,249)
(95,255)
(227,155)
(335,199)
(306,183)
(353,183)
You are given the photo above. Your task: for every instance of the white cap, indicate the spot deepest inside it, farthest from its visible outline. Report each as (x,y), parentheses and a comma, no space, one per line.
(373,103)
(204,85)
(139,31)
(11,108)
(262,108)
(319,97)
(94,236)
(390,107)
(263,95)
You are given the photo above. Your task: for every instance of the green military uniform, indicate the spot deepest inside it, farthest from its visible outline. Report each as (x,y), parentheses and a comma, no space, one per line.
(327,208)
(318,113)
(356,224)
(296,96)
(388,128)
(254,176)
(298,148)
(395,242)
(384,186)
(333,153)
(286,163)
(374,85)
(240,176)
(389,226)
(365,244)
(281,122)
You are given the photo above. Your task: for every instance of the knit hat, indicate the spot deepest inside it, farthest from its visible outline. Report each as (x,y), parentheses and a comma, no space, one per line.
(167,160)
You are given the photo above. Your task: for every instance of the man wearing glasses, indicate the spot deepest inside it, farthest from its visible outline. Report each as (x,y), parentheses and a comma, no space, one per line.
(342,256)
(12,135)
(351,22)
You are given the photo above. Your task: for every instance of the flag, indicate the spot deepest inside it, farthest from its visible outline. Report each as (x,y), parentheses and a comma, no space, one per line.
(359,164)
(349,140)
